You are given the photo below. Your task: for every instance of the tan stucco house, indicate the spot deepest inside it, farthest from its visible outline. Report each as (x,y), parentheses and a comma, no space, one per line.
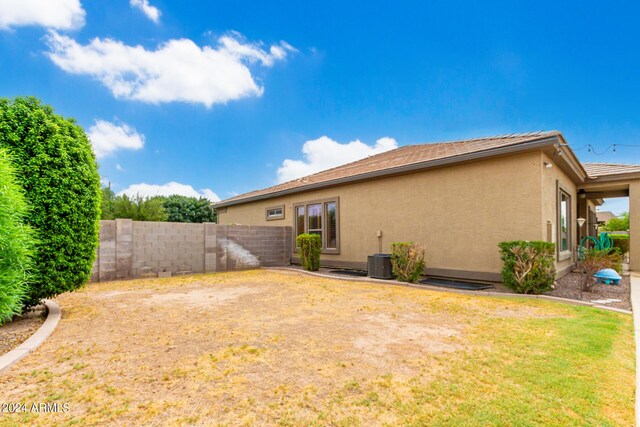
(604,217)
(458,199)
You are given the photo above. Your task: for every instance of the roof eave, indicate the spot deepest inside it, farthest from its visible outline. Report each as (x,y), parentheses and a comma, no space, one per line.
(572,160)
(614,177)
(532,145)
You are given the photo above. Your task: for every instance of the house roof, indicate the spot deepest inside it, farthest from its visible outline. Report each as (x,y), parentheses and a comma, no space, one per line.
(404,159)
(595,170)
(604,216)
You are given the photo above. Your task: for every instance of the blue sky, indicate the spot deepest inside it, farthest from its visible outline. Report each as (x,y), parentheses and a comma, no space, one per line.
(221,98)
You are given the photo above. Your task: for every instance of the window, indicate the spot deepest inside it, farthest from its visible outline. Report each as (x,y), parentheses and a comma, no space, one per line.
(276,212)
(332,229)
(314,219)
(564,225)
(319,217)
(300,220)
(564,228)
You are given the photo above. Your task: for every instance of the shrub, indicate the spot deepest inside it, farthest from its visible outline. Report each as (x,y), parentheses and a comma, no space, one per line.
(407,261)
(621,242)
(309,246)
(56,167)
(16,242)
(528,267)
(594,260)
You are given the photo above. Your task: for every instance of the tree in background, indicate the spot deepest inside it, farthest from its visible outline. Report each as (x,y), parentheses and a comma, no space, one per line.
(57,170)
(621,223)
(159,208)
(106,208)
(188,209)
(139,208)
(16,242)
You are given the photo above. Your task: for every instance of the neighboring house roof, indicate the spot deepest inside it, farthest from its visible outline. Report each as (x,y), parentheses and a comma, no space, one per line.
(595,170)
(605,216)
(405,159)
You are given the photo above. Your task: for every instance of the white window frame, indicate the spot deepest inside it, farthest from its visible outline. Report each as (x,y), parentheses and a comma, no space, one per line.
(274,216)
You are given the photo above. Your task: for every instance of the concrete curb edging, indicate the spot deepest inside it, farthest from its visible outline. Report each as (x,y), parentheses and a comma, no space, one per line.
(53,317)
(456,291)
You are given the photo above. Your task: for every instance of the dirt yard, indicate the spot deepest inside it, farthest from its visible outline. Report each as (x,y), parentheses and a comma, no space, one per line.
(264,347)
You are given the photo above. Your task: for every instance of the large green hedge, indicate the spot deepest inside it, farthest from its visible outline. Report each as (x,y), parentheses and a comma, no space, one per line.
(58,171)
(16,242)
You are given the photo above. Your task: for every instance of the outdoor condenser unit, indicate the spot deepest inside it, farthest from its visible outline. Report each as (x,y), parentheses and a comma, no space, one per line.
(379,266)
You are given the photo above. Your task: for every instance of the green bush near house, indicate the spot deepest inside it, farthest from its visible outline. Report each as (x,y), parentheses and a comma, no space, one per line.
(621,241)
(309,247)
(16,242)
(407,261)
(528,266)
(56,167)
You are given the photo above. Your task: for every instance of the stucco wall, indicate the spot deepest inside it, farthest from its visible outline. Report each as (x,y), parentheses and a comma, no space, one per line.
(634,225)
(459,213)
(549,206)
(130,249)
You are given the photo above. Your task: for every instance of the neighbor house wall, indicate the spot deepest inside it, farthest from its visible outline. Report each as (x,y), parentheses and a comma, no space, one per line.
(130,249)
(459,213)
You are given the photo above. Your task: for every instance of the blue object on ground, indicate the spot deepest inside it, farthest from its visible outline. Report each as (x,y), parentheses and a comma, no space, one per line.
(608,276)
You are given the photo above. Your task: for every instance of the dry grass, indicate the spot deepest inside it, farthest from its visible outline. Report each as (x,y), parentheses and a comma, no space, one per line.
(261,347)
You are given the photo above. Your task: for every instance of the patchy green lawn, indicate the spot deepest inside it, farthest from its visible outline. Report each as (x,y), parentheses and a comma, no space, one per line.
(265,347)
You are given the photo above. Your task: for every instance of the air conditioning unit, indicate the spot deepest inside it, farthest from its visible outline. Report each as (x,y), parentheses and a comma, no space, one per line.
(379,266)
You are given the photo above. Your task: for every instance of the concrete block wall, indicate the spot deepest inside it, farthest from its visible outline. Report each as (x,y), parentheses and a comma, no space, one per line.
(167,247)
(132,249)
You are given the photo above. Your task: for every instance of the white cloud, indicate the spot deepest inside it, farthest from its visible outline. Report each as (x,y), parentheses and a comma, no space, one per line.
(207,193)
(108,137)
(325,153)
(178,70)
(169,189)
(119,167)
(58,14)
(151,12)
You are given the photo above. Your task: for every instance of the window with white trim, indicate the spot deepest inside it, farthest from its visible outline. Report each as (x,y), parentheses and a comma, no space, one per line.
(276,212)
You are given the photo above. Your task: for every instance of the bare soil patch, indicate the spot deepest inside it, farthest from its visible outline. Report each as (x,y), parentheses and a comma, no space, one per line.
(14,333)
(264,347)
(569,287)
